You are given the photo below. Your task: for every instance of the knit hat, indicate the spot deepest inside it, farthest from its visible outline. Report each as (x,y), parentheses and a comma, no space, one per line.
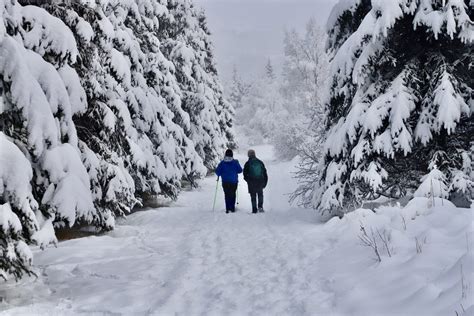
(251,153)
(229,153)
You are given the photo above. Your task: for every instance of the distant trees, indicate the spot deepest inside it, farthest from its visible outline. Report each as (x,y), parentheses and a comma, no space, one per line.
(238,90)
(305,69)
(281,108)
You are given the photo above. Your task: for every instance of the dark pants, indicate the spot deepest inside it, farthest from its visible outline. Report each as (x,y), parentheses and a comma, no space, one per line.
(253,196)
(230,190)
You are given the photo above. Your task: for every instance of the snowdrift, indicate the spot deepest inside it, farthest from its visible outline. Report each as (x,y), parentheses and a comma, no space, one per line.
(426,262)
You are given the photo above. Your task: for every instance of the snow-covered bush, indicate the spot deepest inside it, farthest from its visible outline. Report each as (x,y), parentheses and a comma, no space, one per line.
(400,94)
(95,116)
(433,185)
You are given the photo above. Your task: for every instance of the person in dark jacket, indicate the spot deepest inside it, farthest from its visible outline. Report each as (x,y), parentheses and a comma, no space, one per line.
(229,169)
(256,176)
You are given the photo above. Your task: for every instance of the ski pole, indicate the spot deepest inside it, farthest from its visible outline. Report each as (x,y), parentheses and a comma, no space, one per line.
(215,195)
(237,194)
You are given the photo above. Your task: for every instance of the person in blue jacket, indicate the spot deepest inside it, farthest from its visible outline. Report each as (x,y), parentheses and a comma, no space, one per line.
(229,169)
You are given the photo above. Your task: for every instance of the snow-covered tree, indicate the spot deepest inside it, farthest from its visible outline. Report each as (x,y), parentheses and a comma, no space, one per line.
(102,127)
(261,113)
(238,90)
(189,47)
(39,139)
(433,185)
(95,116)
(463,178)
(269,70)
(154,139)
(16,201)
(303,79)
(401,92)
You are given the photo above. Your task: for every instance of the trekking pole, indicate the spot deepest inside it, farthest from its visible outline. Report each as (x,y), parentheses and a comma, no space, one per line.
(215,195)
(237,194)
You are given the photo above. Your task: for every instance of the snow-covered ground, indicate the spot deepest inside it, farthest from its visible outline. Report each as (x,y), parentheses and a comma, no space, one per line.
(187,260)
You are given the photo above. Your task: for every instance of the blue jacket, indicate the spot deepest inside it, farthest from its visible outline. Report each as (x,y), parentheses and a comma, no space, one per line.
(229,169)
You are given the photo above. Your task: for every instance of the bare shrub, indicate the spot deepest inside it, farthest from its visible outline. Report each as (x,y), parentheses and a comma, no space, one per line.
(377,240)
(465,285)
(404,222)
(419,244)
(386,239)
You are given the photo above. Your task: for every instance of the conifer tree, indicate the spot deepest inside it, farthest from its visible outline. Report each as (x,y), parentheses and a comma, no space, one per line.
(95,117)
(269,71)
(238,90)
(189,48)
(104,127)
(400,97)
(42,180)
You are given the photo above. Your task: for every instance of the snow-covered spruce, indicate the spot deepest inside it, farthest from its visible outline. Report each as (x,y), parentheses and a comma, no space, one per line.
(39,139)
(400,100)
(15,177)
(186,42)
(92,116)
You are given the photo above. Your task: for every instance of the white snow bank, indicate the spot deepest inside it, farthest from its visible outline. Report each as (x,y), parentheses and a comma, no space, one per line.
(429,269)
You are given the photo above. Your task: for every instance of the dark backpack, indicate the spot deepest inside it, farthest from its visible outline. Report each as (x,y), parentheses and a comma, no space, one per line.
(256,169)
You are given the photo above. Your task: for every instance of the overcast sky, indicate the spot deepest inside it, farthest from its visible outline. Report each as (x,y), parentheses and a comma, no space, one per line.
(248,32)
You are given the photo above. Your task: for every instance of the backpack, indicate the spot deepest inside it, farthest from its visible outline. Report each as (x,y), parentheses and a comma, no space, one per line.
(255,169)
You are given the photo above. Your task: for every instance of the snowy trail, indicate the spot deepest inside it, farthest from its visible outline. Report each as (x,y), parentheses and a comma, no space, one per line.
(187,260)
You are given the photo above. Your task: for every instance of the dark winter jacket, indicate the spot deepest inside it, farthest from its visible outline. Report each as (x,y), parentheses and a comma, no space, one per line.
(256,182)
(229,169)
